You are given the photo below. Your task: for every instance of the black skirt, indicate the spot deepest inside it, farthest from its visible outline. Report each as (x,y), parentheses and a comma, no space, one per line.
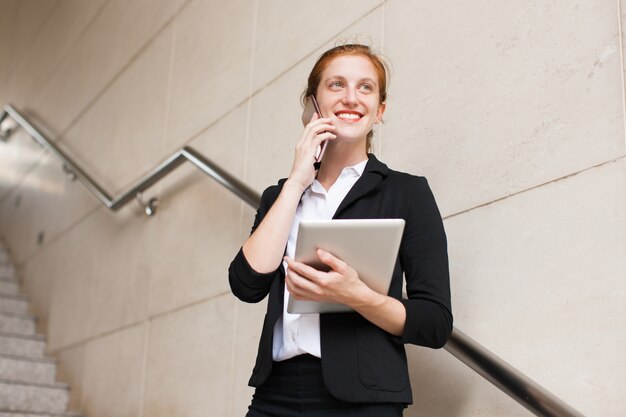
(296,389)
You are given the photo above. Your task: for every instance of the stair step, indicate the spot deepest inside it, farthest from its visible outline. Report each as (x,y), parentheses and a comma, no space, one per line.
(17,323)
(7,271)
(23,369)
(10,279)
(29,397)
(7,413)
(9,287)
(32,414)
(32,346)
(27,376)
(14,303)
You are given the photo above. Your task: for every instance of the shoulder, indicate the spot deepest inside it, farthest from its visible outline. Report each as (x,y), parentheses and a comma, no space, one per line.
(412,191)
(406,181)
(394,178)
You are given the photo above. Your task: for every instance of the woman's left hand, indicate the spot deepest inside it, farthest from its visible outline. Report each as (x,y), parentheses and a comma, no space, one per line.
(340,285)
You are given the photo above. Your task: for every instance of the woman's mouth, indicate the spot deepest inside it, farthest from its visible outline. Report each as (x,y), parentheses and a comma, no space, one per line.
(348,115)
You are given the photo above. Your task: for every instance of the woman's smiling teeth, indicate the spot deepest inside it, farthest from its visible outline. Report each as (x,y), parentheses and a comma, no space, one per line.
(348,116)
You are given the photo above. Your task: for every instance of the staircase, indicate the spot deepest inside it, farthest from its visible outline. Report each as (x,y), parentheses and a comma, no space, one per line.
(27,377)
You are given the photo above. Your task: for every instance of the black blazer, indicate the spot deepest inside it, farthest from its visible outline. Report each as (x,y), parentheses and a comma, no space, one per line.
(360,361)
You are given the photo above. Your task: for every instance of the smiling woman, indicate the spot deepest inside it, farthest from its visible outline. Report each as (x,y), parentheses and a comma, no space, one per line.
(342,363)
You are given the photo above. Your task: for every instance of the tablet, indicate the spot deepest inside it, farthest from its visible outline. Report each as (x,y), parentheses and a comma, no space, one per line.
(370,246)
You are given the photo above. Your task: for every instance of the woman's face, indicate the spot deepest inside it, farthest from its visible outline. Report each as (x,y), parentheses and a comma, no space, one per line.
(348,93)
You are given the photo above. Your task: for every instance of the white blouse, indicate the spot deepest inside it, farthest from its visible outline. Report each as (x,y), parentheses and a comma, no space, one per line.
(296,334)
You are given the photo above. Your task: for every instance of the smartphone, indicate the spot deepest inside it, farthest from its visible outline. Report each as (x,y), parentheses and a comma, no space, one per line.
(311,107)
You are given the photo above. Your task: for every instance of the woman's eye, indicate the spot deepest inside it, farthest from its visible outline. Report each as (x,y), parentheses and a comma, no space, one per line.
(366,87)
(336,84)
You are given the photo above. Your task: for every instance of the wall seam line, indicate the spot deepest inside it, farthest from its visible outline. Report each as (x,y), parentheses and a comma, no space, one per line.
(573,174)
(144,368)
(170,77)
(71,47)
(119,73)
(620,38)
(136,323)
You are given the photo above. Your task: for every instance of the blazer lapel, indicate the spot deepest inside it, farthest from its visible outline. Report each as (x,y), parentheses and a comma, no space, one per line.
(375,171)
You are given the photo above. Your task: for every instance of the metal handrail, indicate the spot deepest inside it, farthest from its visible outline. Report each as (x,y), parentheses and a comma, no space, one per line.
(510,380)
(186,153)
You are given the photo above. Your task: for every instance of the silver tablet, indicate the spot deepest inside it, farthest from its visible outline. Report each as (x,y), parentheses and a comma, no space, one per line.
(370,246)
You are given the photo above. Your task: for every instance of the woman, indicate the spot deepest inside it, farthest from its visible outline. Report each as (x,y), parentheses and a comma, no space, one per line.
(337,364)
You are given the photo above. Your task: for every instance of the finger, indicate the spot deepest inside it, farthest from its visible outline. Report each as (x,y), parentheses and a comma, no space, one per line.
(317,141)
(332,261)
(320,129)
(315,119)
(301,287)
(293,289)
(312,132)
(305,271)
(319,126)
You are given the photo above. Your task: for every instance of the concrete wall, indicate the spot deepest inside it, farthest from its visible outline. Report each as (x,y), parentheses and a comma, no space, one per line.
(513,110)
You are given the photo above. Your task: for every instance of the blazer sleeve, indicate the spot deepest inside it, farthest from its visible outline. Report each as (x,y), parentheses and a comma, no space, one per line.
(247,284)
(424,258)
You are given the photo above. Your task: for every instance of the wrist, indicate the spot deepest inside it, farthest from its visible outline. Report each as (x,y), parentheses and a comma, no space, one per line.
(294,186)
(367,298)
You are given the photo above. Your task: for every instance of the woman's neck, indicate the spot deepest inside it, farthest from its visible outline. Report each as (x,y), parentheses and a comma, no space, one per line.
(336,158)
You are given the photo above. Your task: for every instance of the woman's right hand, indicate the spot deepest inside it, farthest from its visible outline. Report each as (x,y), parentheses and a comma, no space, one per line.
(318,130)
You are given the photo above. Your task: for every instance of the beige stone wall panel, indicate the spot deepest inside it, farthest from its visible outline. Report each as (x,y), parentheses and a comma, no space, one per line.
(123,267)
(443,387)
(31,16)
(211,65)
(248,327)
(622,21)
(113,373)
(190,360)
(70,370)
(224,142)
(62,27)
(275,128)
(197,236)
(539,279)
(8,25)
(288,32)
(499,97)
(72,305)
(114,38)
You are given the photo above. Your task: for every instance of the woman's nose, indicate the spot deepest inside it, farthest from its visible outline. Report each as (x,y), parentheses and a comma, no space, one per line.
(350,96)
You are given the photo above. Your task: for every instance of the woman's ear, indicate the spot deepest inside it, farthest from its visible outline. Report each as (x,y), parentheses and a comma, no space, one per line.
(381,109)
